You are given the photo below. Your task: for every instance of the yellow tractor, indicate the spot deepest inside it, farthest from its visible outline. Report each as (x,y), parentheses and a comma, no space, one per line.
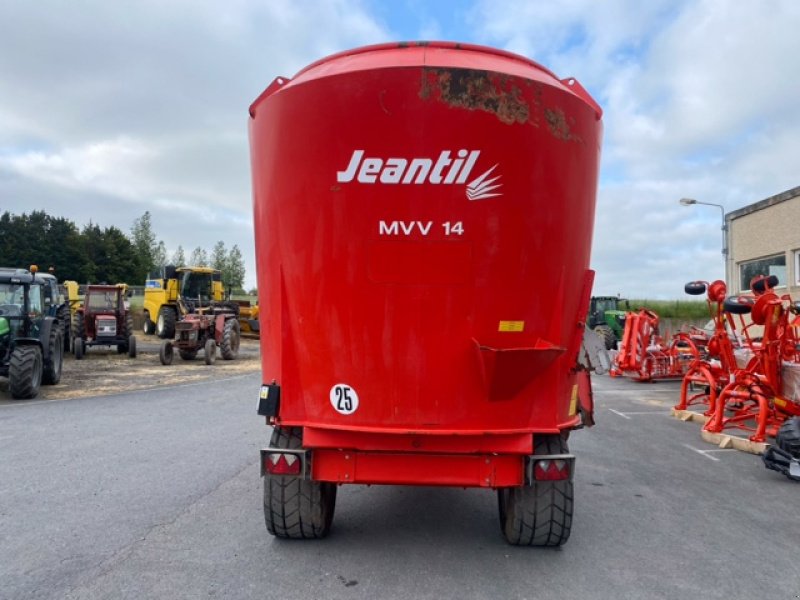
(196,287)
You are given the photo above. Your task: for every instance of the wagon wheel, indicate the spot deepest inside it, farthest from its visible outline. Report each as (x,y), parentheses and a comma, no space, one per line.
(297,508)
(539,514)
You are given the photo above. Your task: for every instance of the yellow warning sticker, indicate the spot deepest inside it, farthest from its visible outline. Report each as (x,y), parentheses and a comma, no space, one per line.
(573,403)
(511,326)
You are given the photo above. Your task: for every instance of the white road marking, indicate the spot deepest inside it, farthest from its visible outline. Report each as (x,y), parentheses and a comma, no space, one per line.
(626,414)
(623,415)
(707,453)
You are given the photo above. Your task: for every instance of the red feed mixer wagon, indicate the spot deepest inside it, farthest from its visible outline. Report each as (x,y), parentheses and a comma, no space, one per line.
(423,221)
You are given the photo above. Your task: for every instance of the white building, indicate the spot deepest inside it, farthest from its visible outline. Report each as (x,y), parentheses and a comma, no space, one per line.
(764,239)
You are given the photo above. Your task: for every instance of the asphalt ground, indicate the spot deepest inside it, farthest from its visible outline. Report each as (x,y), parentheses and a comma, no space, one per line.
(157,494)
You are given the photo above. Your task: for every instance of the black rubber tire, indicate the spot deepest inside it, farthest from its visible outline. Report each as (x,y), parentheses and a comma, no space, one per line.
(738,305)
(65,324)
(51,372)
(539,514)
(166,353)
(78,328)
(165,326)
(210,351)
(229,347)
(765,283)
(695,288)
(607,335)
(296,508)
(148,327)
(25,372)
(788,438)
(79,348)
(187,354)
(127,334)
(131,346)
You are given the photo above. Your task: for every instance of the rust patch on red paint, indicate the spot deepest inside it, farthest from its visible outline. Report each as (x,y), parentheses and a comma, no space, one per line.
(471,89)
(558,124)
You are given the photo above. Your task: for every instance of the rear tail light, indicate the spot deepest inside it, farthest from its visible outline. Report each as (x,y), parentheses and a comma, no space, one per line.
(552,469)
(283,464)
(276,461)
(549,467)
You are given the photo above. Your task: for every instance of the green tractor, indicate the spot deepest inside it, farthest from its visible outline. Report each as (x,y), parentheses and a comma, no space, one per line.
(607,318)
(32,330)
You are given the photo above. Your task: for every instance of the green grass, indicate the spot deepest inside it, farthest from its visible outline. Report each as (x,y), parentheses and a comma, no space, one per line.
(674,309)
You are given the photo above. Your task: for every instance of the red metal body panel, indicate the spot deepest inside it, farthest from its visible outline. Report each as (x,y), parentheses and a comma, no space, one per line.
(399,468)
(446,297)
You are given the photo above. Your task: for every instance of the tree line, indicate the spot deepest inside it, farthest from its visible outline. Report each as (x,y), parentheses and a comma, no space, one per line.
(95,254)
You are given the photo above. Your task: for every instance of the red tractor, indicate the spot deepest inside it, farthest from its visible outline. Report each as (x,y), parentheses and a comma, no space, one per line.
(104,320)
(204,330)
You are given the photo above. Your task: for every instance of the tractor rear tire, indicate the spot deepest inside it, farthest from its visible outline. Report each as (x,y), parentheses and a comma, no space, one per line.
(188,354)
(210,350)
(65,323)
(78,329)
(25,372)
(132,346)
(51,373)
(539,514)
(79,348)
(166,353)
(230,340)
(607,335)
(788,438)
(165,326)
(296,508)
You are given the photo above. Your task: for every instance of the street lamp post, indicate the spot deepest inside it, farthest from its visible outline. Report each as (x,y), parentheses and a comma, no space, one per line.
(689,202)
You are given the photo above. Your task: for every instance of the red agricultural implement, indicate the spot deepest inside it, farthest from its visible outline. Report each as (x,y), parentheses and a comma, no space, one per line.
(423,219)
(762,394)
(643,354)
(711,371)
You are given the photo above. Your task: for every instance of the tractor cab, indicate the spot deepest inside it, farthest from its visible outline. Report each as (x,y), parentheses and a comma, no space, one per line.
(607,318)
(104,309)
(21,304)
(104,320)
(196,288)
(31,335)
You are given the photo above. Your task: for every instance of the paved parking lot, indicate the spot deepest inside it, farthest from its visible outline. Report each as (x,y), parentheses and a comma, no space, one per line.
(156,494)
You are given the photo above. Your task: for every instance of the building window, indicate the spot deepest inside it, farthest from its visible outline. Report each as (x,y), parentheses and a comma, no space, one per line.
(770,265)
(797,267)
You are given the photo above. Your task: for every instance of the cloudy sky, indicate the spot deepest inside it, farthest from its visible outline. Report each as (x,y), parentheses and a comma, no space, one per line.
(108,109)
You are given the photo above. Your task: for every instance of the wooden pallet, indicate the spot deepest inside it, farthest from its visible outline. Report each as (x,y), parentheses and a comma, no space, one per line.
(722,440)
